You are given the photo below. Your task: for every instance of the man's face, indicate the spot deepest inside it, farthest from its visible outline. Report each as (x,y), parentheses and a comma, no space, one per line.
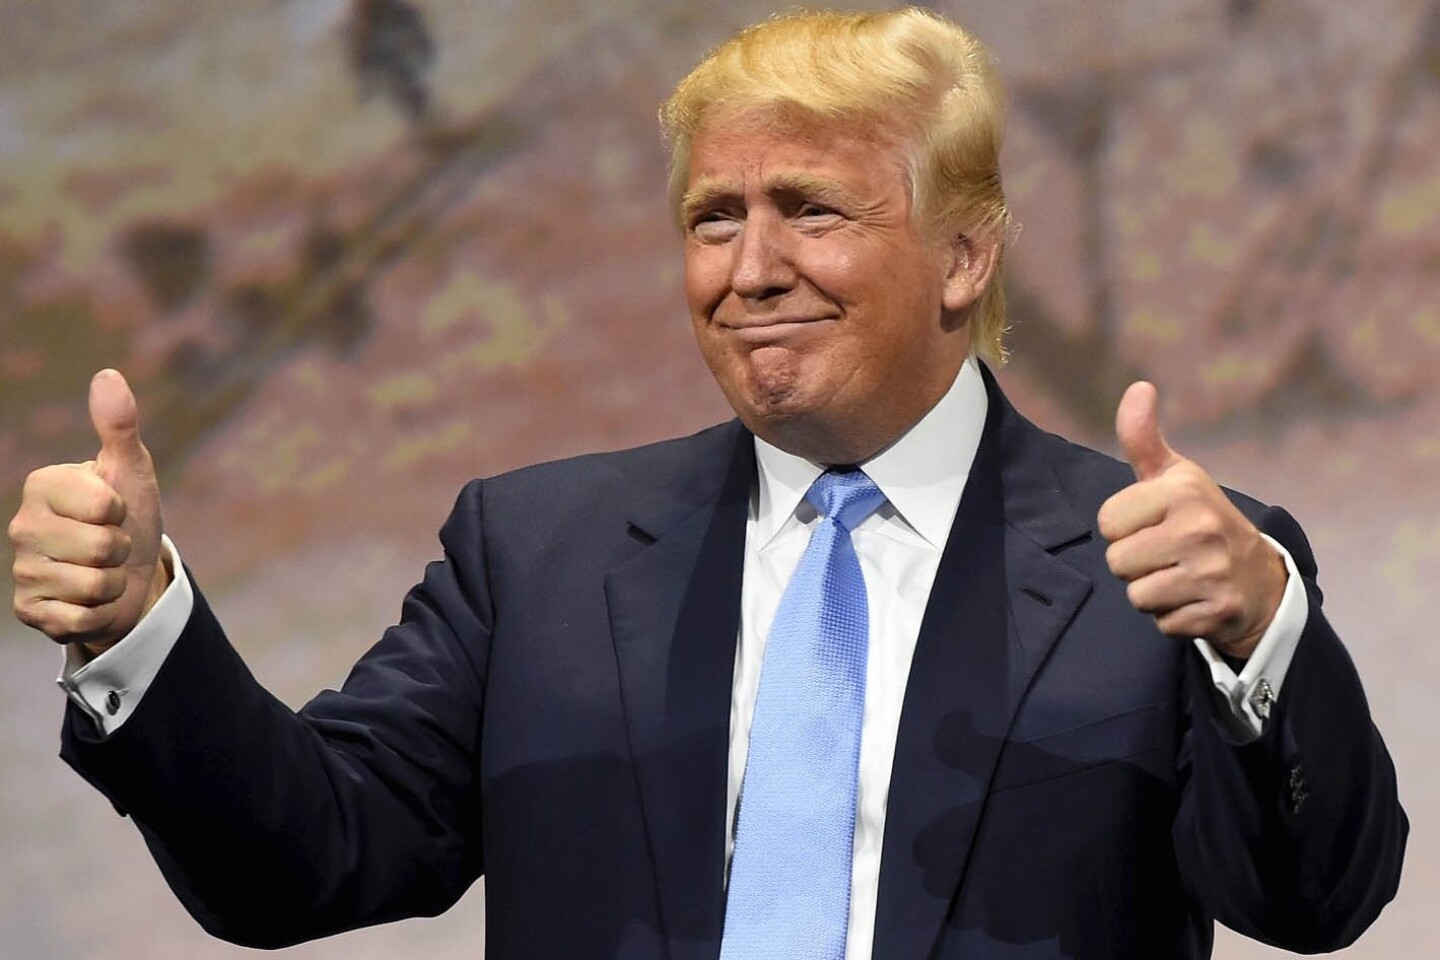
(831,325)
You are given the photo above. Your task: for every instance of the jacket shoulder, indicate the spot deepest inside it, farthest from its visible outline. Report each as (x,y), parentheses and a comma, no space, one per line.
(680,470)
(651,462)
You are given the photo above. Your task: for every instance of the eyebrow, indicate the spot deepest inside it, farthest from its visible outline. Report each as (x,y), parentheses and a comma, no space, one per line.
(709,193)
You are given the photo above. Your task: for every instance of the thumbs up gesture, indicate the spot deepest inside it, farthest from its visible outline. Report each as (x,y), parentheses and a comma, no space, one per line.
(87,536)
(1190,558)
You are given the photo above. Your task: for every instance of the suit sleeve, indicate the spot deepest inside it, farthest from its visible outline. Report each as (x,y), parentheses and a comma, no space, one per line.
(1297,838)
(273,826)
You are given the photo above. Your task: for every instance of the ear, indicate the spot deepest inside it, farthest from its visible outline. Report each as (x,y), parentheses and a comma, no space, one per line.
(970,265)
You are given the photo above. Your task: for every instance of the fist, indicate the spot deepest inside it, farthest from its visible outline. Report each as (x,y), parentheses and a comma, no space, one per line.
(87,536)
(1189,557)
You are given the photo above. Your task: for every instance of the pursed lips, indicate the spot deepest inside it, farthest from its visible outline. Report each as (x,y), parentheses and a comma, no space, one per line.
(770,328)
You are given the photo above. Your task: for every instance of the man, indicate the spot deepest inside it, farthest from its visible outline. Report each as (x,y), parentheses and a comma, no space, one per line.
(881,602)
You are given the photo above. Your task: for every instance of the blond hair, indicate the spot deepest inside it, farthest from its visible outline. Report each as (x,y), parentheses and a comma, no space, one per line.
(909,72)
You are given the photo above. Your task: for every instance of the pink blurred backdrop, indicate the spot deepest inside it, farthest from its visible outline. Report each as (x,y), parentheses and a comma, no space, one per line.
(351,257)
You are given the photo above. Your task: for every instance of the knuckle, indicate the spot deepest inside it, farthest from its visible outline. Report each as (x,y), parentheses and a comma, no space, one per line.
(34,484)
(24,529)
(91,584)
(24,572)
(111,586)
(1181,491)
(32,619)
(1196,528)
(1192,478)
(1232,604)
(1209,525)
(1215,568)
(91,498)
(121,545)
(17,530)
(39,483)
(61,621)
(75,621)
(99,503)
(97,550)
(43,616)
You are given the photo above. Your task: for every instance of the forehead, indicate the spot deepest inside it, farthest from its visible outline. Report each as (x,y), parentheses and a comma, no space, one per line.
(764,150)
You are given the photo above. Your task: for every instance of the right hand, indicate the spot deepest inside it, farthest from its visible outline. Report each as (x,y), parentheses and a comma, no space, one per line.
(87,535)
(1187,554)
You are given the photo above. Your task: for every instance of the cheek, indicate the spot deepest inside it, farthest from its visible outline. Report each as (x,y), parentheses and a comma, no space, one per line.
(848,275)
(706,281)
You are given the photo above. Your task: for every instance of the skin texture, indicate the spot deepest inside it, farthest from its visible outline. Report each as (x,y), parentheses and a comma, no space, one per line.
(830,323)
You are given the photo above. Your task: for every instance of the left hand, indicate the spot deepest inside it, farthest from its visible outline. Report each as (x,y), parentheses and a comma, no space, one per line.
(1190,557)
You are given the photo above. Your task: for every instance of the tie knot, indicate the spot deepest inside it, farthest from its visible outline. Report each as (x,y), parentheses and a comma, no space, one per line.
(846,496)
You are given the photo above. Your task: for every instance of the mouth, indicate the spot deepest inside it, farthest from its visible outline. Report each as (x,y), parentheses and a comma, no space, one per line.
(772,328)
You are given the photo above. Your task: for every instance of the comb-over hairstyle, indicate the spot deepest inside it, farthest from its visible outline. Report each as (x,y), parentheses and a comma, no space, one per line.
(908,73)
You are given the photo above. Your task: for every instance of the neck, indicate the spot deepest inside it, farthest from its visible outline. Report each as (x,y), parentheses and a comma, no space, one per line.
(848,440)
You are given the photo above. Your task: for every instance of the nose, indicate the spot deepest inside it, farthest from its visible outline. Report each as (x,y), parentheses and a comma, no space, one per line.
(764,266)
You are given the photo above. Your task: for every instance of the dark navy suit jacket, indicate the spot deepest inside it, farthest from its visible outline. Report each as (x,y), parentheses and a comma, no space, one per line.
(553,711)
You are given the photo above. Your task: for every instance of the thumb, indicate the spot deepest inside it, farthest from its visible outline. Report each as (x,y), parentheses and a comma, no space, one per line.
(117,423)
(1137,427)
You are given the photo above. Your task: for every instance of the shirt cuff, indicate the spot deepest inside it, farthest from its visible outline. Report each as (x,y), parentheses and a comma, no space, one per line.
(1252,695)
(108,688)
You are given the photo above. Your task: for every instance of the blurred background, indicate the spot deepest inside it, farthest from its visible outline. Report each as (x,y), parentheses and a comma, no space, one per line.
(352,253)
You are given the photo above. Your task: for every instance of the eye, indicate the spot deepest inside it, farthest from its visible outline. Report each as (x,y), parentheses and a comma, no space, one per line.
(713,226)
(811,211)
(813,217)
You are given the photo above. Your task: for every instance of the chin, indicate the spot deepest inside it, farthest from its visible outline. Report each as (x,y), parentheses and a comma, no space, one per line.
(777,404)
(771,394)
(774,382)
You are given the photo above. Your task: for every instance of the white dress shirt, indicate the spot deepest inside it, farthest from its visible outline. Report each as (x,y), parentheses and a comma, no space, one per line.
(922,475)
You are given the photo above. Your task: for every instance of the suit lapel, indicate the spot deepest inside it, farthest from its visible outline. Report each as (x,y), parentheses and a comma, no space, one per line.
(987,629)
(674,615)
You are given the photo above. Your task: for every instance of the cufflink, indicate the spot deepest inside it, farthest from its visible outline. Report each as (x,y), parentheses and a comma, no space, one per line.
(1262,698)
(112,702)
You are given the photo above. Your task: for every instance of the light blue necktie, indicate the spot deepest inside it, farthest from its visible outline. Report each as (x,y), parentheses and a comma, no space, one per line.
(789,896)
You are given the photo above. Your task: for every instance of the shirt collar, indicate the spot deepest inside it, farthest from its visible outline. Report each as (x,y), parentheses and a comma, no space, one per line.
(922,474)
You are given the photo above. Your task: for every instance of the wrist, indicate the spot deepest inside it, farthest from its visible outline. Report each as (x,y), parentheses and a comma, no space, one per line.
(160,581)
(1276,576)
